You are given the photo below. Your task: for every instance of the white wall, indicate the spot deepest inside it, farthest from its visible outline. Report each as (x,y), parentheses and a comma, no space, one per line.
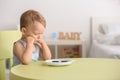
(61,15)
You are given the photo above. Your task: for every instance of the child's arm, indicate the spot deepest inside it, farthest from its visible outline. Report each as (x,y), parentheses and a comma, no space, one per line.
(45,51)
(24,54)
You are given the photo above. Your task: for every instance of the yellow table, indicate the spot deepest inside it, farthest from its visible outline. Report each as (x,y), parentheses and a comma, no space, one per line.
(81,69)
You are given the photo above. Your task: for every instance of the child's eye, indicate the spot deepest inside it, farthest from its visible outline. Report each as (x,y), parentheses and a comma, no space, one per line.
(35,34)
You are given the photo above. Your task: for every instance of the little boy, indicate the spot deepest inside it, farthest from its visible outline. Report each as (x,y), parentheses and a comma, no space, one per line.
(31,46)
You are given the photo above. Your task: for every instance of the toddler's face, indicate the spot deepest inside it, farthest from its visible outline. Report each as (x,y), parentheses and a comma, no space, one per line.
(36,30)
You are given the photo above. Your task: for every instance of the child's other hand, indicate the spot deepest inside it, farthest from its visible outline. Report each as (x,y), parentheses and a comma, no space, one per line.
(40,41)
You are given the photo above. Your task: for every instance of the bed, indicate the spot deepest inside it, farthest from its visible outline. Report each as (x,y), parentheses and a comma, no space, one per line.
(105,37)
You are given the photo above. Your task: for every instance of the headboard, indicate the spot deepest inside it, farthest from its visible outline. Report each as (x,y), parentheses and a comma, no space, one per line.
(95,22)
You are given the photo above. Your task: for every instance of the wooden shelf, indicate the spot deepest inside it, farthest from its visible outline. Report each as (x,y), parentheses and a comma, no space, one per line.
(66,43)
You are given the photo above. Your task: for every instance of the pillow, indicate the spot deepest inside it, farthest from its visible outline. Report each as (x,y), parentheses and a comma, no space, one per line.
(108,34)
(103,28)
(103,39)
(107,39)
(110,29)
(113,29)
(116,40)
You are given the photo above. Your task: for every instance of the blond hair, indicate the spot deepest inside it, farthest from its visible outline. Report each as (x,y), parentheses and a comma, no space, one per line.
(29,17)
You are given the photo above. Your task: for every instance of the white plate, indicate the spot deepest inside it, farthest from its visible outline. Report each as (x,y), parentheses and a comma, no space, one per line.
(59,62)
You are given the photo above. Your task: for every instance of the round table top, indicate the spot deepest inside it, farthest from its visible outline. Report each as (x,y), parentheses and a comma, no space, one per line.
(81,69)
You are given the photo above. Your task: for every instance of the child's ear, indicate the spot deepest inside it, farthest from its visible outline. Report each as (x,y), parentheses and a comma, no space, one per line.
(23,30)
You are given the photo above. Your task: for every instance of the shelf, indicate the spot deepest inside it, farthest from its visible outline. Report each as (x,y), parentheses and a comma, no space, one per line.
(66,43)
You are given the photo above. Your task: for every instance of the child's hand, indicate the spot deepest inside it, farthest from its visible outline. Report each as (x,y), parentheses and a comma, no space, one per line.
(30,43)
(30,40)
(39,42)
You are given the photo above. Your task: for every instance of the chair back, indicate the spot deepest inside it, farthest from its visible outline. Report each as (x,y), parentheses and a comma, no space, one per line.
(7,39)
